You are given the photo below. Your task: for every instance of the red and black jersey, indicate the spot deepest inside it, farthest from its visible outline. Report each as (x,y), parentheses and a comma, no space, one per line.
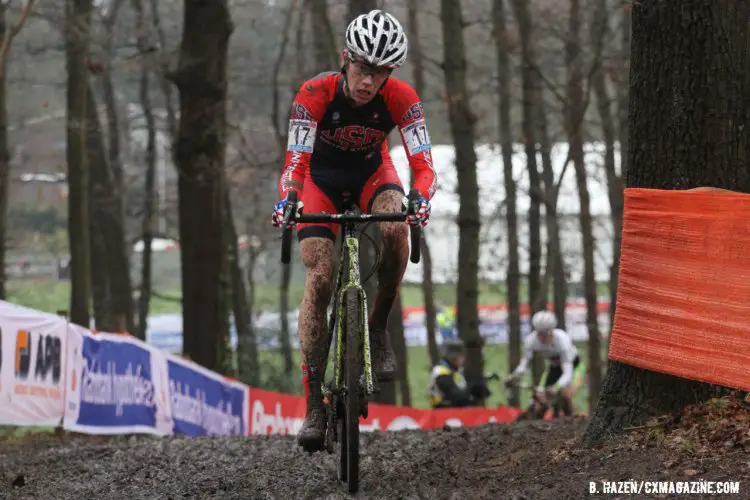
(340,146)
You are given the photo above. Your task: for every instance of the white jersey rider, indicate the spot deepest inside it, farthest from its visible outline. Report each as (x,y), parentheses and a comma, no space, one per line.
(564,362)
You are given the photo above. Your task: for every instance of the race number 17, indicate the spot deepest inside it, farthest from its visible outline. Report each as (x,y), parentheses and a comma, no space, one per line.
(301,135)
(416,137)
(421,139)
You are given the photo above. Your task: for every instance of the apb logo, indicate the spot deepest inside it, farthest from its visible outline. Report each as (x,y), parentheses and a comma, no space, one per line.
(23,354)
(46,361)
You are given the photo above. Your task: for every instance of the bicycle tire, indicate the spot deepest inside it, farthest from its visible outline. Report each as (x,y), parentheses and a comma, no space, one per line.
(353,369)
(343,441)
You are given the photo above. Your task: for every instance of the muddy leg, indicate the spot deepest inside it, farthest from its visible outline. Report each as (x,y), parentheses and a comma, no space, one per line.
(313,332)
(394,256)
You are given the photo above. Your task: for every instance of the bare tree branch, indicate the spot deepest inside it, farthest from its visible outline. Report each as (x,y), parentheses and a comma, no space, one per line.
(14,31)
(280,136)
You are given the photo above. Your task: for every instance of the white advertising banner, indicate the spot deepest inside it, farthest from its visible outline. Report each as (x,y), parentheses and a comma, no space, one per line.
(32,366)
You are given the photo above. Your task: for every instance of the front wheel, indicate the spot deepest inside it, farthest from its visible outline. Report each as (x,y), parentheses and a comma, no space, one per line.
(350,423)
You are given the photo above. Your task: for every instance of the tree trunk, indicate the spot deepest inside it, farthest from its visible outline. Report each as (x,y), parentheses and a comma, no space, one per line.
(300,53)
(164,83)
(555,265)
(462,129)
(248,360)
(428,294)
(101,199)
(614,182)
(428,286)
(576,109)
(537,300)
(199,155)
(398,339)
(148,223)
(110,265)
(513,279)
(149,217)
(121,284)
(284,339)
(415,47)
(78,21)
(530,89)
(387,394)
(227,365)
(690,93)
(4,156)
(110,100)
(248,365)
(324,45)
(622,118)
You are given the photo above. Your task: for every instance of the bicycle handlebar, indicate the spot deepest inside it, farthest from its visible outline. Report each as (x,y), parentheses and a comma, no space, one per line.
(291,211)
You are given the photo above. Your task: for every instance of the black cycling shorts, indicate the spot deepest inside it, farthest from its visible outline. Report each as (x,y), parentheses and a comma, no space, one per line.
(555,372)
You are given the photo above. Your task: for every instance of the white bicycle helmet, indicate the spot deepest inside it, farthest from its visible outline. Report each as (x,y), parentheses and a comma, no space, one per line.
(378,38)
(544,321)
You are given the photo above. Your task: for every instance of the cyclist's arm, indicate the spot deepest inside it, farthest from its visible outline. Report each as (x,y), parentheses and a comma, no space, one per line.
(528,354)
(566,361)
(307,110)
(452,393)
(567,375)
(406,110)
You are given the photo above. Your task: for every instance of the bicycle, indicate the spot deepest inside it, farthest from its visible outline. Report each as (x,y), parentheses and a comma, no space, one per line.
(537,408)
(346,395)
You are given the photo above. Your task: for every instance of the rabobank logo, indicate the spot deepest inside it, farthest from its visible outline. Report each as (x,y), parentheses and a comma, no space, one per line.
(117,387)
(203,405)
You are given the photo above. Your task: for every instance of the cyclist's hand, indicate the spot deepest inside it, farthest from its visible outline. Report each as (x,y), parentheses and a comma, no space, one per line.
(277,218)
(423,212)
(511,379)
(540,393)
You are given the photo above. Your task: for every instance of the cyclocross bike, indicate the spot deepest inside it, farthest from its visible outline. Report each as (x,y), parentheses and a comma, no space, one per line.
(346,395)
(537,408)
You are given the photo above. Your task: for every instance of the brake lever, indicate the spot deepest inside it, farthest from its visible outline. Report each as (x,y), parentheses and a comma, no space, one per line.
(413,207)
(291,209)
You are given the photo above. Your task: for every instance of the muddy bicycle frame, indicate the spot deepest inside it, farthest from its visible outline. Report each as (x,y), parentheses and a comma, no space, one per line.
(352,383)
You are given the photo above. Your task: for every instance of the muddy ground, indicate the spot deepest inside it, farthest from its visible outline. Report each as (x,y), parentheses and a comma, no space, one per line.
(532,460)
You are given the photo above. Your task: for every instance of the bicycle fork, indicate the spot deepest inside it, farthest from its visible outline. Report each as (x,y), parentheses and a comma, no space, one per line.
(332,392)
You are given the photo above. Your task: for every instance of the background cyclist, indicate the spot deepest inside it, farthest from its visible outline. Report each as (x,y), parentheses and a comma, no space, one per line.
(564,365)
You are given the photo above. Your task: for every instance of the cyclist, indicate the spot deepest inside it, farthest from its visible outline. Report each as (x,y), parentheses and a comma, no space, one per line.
(565,364)
(448,387)
(337,148)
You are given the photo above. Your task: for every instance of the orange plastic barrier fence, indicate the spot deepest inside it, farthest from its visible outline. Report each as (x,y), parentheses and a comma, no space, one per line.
(683,299)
